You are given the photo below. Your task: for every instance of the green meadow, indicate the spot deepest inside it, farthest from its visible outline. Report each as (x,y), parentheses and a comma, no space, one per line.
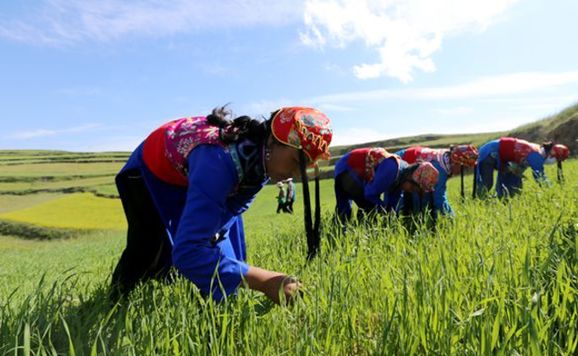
(499,278)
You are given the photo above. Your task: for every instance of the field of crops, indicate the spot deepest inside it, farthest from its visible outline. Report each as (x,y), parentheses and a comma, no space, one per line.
(501,277)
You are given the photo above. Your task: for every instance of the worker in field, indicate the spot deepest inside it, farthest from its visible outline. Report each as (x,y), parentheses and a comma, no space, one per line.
(186,186)
(281,198)
(364,175)
(511,157)
(291,195)
(449,162)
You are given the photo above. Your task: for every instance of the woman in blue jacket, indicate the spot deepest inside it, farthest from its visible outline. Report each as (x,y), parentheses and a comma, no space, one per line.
(185,187)
(511,157)
(449,162)
(374,179)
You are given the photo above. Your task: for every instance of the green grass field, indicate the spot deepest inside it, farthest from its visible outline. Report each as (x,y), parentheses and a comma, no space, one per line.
(499,278)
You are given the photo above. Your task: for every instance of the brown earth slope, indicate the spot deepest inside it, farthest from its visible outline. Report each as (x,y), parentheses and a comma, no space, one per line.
(560,128)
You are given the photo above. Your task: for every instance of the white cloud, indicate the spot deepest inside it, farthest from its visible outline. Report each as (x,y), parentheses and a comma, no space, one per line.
(486,87)
(333,108)
(59,22)
(491,123)
(126,143)
(336,69)
(456,111)
(353,135)
(23,135)
(265,107)
(405,33)
(541,102)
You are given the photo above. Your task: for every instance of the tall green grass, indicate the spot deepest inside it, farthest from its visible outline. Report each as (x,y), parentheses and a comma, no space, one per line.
(501,278)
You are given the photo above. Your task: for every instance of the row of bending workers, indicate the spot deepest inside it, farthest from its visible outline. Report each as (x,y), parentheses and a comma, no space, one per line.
(510,157)
(365,174)
(418,173)
(185,187)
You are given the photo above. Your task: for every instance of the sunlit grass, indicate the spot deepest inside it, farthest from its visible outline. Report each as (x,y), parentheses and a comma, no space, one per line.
(499,278)
(25,262)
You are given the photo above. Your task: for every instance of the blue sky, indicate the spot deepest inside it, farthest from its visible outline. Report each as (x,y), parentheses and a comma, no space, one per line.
(96,75)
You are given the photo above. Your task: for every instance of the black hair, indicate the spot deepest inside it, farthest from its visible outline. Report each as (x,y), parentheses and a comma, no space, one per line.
(258,131)
(560,172)
(405,175)
(240,128)
(548,146)
(312,230)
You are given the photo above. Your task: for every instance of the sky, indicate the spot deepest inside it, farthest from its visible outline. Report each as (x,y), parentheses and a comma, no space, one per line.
(100,75)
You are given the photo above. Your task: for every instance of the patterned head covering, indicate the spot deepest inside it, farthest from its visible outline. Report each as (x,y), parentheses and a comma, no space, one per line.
(560,152)
(305,129)
(426,176)
(464,155)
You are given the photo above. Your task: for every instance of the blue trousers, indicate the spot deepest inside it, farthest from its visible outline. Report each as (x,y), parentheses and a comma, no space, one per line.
(507,184)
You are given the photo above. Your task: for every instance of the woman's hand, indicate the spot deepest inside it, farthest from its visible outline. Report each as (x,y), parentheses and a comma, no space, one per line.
(280,288)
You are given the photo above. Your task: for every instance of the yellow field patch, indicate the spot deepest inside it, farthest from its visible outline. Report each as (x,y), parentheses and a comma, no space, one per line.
(80,182)
(17,202)
(59,168)
(77,211)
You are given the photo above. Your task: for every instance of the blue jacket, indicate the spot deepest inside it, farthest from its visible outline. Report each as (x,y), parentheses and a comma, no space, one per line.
(385,178)
(203,220)
(440,198)
(534,160)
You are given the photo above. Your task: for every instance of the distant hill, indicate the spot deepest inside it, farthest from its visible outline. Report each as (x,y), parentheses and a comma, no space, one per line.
(560,128)
(429,140)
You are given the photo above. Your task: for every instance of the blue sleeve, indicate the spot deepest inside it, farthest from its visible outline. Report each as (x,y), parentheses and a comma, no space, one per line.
(400,153)
(212,177)
(441,202)
(341,165)
(536,163)
(239,202)
(384,178)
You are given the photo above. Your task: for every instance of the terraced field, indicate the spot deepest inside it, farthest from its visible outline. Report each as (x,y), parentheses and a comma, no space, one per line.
(51,194)
(499,278)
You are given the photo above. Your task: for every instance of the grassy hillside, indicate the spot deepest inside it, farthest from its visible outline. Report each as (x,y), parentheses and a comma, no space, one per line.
(499,278)
(561,128)
(431,140)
